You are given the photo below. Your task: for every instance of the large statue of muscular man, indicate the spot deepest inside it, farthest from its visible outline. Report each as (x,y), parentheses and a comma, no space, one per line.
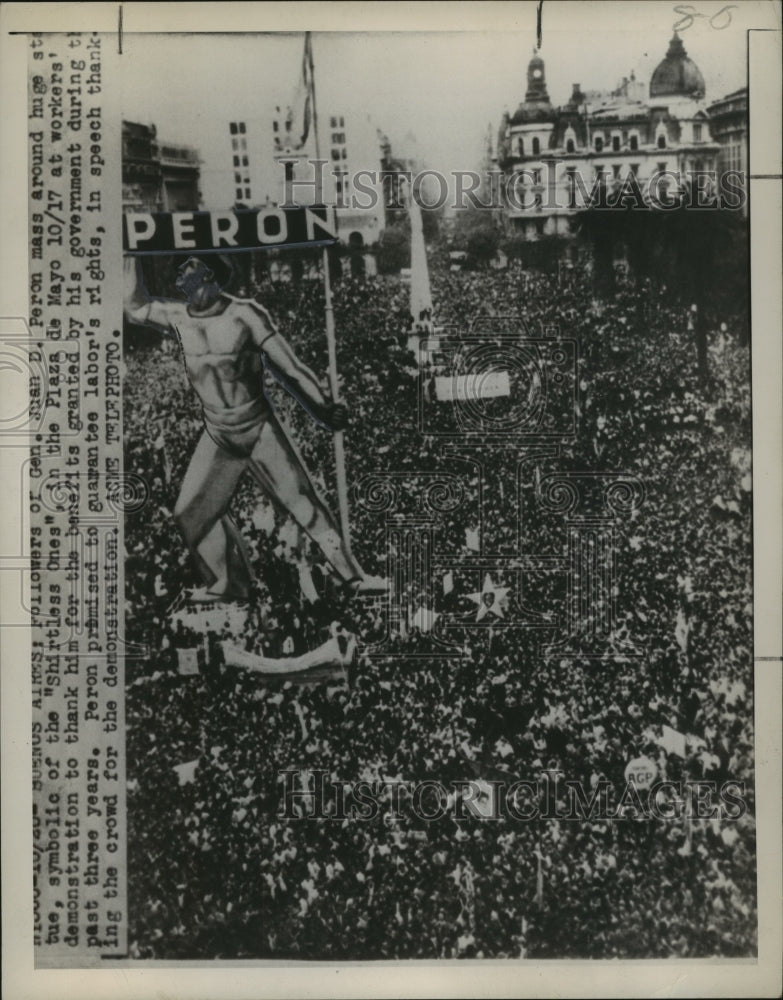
(226,342)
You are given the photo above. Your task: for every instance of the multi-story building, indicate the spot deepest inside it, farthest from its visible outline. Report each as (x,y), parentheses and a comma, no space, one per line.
(252,156)
(158,176)
(180,173)
(349,144)
(238,170)
(604,139)
(729,124)
(140,168)
(240,161)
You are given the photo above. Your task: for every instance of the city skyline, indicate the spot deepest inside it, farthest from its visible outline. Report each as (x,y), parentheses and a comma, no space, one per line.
(405,80)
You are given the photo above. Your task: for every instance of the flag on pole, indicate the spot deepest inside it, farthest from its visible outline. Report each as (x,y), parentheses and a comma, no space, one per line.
(308,74)
(299,115)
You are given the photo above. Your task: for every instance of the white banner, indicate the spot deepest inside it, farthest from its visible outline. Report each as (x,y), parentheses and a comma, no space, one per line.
(486,385)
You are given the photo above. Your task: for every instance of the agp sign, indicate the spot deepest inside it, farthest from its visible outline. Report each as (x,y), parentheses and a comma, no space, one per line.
(642,772)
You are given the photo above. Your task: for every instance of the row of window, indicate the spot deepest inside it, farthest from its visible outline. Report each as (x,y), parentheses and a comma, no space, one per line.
(599,144)
(603,177)
(601,171)
(337,123)
(338,137)
(238,144)
(339,154)
(240,196)
(240,161)
(633,143)
(237,128)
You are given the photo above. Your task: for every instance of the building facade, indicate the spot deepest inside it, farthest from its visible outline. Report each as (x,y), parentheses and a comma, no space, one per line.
(729,123)
(158,176)
(349,144)
(257,155)
(608,142)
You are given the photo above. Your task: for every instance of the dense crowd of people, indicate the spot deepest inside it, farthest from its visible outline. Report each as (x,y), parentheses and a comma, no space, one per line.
(219,868)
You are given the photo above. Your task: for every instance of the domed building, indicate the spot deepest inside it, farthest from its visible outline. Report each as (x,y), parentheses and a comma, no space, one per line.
(677,75)
(606,139)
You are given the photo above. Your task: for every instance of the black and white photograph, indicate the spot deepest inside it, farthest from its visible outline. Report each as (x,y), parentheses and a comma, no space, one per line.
(396,496)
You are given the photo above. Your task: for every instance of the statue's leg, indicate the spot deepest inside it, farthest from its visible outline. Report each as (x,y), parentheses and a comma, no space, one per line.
(201,515)
(277,466)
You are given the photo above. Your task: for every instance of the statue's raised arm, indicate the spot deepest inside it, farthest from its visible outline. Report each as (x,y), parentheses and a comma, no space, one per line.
(141,308)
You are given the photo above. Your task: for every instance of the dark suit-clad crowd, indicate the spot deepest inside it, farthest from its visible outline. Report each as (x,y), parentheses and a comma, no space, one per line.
(221,865)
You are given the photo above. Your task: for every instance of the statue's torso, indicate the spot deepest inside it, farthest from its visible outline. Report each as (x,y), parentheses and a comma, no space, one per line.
(223,362)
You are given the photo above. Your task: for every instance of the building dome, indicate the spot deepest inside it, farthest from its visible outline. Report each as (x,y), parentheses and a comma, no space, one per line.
(528,112)
(677,75)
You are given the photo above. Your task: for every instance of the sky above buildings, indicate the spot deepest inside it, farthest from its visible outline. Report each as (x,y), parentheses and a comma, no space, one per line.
(433,94)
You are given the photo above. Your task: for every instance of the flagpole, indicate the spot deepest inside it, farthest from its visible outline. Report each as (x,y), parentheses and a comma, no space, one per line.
(339,447)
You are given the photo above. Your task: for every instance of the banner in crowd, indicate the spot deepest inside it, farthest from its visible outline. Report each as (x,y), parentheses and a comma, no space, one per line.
(332,653)
(188,661)
(487,385)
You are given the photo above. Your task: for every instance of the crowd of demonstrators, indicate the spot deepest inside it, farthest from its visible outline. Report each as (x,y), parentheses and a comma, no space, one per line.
(219,867)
